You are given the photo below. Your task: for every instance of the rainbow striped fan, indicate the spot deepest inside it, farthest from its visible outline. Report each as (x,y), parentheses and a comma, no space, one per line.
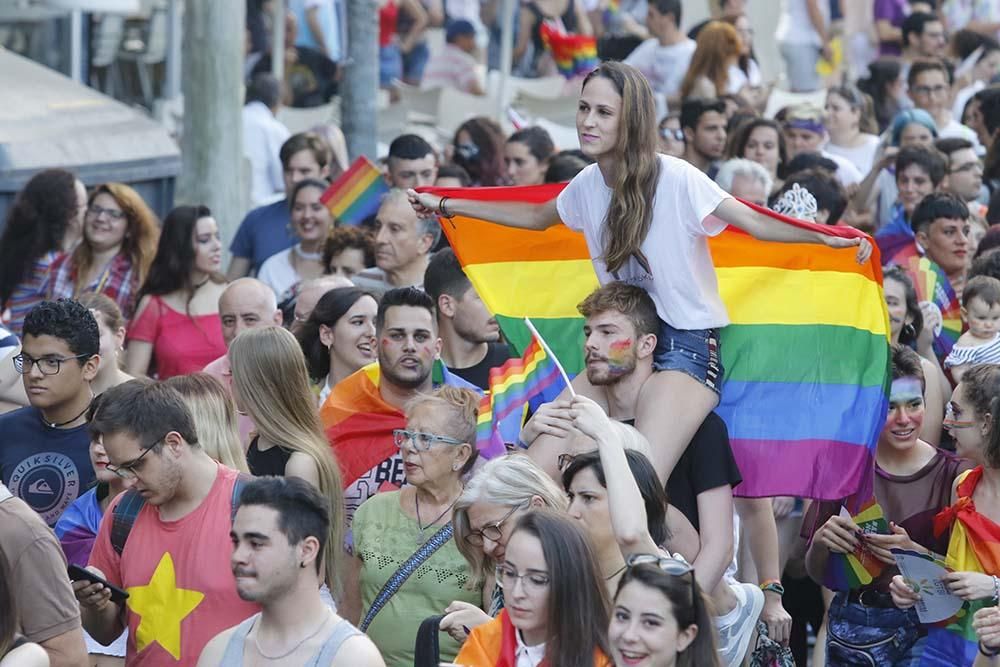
(859,568)
(933,285)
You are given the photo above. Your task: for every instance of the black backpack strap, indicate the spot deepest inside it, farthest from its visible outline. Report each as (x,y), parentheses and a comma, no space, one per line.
(427,651)
(241,481)
(123,518)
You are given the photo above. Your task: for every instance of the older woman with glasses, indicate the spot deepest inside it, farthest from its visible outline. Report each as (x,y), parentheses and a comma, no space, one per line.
(501,492)
(406,566)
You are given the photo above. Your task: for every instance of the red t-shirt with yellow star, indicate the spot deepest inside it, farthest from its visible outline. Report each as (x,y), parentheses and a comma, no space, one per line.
(181,589)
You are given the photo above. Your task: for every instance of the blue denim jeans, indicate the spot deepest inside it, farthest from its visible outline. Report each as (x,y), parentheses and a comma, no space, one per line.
(691,351)
(390,65)
(870,636)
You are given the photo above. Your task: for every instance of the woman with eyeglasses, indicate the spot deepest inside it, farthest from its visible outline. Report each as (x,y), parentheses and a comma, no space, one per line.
(120,234)
(913,481)
(659,617)
(499,494)
(271,386)
(971,519)
(410,530)
(339,336)
(556,610)
(77,529)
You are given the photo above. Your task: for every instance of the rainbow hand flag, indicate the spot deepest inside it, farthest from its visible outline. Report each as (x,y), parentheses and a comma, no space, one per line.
(932,285)
(534,375)
(860,567)
(356,195)
(806,354)
(574,54)
(974,546)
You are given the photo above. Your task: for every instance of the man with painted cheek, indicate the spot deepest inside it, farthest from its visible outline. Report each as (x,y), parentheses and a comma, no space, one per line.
(408,344)
(913,482)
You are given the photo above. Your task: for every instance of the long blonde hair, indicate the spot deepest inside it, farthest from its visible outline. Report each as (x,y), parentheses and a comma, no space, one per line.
(270,378)
(630,214)
(214,414)
(718,45)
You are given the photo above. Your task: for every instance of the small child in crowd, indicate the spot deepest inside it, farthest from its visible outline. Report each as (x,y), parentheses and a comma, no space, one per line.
(981,312)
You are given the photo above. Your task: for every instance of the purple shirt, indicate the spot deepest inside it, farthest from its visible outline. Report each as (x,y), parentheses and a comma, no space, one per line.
(893,11)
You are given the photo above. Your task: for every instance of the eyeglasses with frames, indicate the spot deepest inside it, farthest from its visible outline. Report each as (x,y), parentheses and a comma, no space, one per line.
(939,89)
(675,134)
(492,531)
(128,470)
(533,581)
(47,365)
(423,441)
(98,211)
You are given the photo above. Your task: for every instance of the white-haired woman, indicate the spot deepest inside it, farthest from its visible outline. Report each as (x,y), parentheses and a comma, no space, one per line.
(410,531)
(501,491)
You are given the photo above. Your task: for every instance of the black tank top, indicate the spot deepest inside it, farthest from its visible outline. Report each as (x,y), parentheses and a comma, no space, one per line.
(268,462)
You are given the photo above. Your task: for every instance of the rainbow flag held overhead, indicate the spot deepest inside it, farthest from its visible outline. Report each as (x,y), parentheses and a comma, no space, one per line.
(574,54)
(514,384)
(806,353)
(356,195)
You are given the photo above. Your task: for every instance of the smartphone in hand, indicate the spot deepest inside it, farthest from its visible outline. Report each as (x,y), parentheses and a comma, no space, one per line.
(77,573)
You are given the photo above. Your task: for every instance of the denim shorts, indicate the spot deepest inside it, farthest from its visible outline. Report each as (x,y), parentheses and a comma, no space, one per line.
(415,62)
(870,636)
(691,351)
(390,65)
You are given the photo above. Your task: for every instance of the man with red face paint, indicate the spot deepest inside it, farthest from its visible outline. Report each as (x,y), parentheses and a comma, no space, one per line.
(913,481)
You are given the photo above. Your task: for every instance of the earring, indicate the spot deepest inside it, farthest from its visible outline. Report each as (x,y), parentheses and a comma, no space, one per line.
(909,330)
(302,565)
(455,467)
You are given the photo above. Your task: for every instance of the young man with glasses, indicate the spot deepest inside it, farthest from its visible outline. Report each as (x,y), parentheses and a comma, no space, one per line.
(166,539)
(44,448)
(929,83)
(964,177)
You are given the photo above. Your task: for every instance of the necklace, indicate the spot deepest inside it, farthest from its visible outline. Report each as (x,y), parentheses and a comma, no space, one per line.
(68,421)
(311,256)
(201,284)
(421,526)
(294,648)
(616,573)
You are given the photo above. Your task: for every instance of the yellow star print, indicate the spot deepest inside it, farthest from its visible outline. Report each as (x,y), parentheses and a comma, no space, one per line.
(161,607)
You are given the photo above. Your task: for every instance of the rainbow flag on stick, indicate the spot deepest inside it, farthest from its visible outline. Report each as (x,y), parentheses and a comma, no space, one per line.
(356,194)
(806,354)
(537,373)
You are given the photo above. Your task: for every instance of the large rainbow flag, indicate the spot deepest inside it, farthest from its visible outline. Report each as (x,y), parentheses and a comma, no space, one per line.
(974,546)
(356,194)
(806,353)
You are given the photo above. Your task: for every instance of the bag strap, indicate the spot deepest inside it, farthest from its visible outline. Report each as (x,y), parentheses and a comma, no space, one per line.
(427,650)
(399,577)
(127,510)
(123,518)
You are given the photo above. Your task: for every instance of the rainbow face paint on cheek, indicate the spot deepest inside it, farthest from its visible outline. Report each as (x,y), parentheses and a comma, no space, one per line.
(618,355)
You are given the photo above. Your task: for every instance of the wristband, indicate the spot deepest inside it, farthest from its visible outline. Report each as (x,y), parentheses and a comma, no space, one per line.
(996,590)
(442,210)
(774,586)
(989,653)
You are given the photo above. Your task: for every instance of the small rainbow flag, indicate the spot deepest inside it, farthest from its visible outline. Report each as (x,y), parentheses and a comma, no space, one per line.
(355,196)
(574,54)
(933,285)
(806,353)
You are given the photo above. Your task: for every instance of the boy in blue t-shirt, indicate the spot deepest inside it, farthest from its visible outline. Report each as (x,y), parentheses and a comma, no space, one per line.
(45,448)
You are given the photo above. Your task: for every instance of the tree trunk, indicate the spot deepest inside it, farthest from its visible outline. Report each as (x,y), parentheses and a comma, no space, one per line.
(360,85)
(212,82)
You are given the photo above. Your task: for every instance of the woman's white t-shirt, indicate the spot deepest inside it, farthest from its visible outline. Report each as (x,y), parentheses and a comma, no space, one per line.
(278,273)
(681,279)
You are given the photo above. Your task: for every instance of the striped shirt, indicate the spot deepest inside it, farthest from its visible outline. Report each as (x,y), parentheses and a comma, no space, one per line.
(32,290)
(987,353)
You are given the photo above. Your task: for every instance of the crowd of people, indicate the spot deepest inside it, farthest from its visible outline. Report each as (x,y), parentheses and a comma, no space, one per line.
(277,463)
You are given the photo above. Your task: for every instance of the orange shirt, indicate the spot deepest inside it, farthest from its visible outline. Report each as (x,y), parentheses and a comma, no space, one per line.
(493,645)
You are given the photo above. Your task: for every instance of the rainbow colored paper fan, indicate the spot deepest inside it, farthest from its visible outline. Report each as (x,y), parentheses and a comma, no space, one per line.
(859,568)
